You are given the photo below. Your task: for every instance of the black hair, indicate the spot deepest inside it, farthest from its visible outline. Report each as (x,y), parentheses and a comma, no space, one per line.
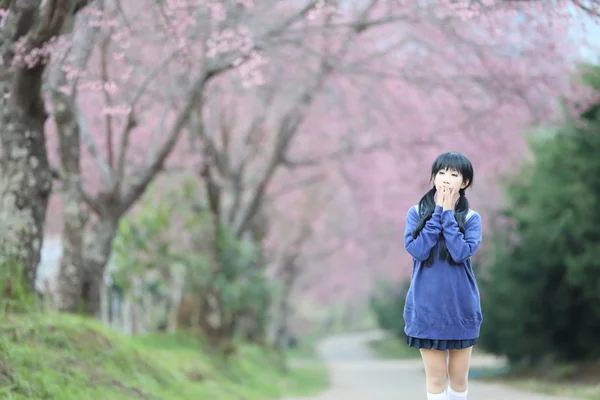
(449,161)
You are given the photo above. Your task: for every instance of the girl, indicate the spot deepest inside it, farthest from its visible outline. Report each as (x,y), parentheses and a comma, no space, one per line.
(443,311)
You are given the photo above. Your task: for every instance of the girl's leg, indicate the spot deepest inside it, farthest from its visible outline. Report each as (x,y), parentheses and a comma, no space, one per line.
(458,372)
(435,373)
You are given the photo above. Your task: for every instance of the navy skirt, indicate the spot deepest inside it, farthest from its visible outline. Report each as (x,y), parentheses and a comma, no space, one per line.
(436,344)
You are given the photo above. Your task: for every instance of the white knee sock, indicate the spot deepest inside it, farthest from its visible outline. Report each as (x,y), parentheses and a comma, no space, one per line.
(452,395)
(437,396)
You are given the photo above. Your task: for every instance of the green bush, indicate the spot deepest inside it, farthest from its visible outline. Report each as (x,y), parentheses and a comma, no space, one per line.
(17,295)
(175,234)
(541,292)
(387,303)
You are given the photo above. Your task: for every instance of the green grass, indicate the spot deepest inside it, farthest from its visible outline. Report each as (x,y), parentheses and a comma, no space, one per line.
(306,347)
(63,357)
(577,381)
(393,348)
(573,390)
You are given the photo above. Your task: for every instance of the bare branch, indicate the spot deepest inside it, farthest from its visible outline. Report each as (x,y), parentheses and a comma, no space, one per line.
(592,9)
(81,4)
(226,61)
(130,119)
(152,152)
(194,95)
(79,54)
(324,254)
(122,13)
(281,28)
(108,119)
(289,125)
(105,169)
(286,131)
(255,132)
(302,184)
(252,144)
(292,120)
(91,201)
(357,26)
(145,176)
(337,155)
(52,20)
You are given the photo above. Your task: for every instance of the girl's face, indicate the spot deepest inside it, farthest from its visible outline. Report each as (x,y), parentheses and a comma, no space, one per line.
(450,179)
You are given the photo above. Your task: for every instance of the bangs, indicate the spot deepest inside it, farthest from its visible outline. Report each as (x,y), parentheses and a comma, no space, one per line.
(453,162)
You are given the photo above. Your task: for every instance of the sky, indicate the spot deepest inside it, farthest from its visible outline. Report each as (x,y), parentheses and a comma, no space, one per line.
(590,30)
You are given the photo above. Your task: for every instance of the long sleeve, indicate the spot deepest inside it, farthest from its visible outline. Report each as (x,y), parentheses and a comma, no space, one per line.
(420,248)
(461,246)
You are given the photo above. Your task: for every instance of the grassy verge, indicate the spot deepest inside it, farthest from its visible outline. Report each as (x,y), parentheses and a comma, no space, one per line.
(575,381)
(393,348)
(305,348)
(64,357)
(571,390)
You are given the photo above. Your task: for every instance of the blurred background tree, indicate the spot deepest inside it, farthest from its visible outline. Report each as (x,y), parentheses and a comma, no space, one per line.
(541,288)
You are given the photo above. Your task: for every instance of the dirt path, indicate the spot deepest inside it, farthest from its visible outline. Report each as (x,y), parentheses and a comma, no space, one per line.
(356,374)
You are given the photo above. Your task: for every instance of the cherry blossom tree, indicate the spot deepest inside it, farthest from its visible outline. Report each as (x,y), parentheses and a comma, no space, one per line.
(290,250)
(28,31)
(211,42)
(475,84)
(475,7)
(248,136)
(143,105)
(123,99)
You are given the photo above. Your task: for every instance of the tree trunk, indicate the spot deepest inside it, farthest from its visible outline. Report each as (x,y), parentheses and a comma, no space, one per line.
(27,178)
(176,289)
(97,250)
(26,174)
(280,306)
(66,116)
(280,309)
(71,272)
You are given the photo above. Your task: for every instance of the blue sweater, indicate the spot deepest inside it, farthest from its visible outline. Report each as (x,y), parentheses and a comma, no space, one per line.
(443,299)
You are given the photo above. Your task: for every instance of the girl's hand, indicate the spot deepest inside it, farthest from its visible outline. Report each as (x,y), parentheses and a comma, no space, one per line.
(450,198)
(439,197)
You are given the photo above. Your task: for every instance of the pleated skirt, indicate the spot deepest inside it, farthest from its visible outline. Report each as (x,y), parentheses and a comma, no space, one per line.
(419,343)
